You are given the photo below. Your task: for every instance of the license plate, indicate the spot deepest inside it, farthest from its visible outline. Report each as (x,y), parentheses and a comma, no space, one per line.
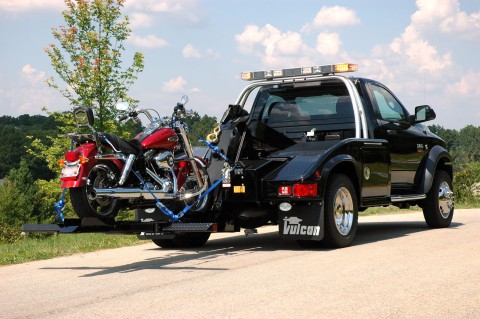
(70,171)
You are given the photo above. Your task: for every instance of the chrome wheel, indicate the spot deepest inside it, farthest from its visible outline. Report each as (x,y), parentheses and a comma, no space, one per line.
(101,176)
(438,206)
(84,200)
(343,211)
(445,199)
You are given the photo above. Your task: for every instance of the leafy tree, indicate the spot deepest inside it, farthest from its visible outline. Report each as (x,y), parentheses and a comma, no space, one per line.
(17,202)
(88,59)
(200,126)
(14,133)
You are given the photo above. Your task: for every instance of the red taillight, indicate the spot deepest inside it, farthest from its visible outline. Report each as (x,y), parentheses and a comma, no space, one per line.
(183,164)
(71,156)
(305,190)
(284,190)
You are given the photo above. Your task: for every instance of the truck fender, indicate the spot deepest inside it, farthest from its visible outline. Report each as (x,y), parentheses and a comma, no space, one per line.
(436,155)
(334,163)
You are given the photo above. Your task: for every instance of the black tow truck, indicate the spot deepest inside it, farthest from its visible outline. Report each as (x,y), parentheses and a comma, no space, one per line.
(316,148)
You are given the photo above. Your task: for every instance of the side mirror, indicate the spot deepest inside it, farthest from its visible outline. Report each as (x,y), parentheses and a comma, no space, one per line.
(424,113)
(122,106)
(184,100)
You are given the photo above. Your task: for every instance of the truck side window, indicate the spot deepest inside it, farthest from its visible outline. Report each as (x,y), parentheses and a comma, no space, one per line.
(388,106)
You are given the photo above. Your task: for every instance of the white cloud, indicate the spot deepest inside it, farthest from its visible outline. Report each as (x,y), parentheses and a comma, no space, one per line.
(446,16)
(140,20)
(328,43)
(32,74)
(467,85)
(161,6)
(270,44)
(29,5)
(148,41)
(176,85)
(420,53)
(174,11)
(196,90)
(335,16)
(190,52)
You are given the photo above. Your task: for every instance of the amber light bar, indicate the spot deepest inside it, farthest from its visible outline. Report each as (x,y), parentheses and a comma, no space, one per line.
(310,70)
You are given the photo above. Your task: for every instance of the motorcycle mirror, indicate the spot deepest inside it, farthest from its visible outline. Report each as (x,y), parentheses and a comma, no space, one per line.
(122,106)
(184,99)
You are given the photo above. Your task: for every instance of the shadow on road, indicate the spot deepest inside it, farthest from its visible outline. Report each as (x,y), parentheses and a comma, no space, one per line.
(215,249)
(373,232)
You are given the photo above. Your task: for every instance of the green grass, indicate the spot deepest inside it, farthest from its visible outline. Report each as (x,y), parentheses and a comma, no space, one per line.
(395,210)
(38,248)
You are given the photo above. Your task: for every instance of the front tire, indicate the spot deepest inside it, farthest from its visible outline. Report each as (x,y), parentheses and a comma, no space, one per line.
(191,185)
(102,175)
(188,240)
(438,207)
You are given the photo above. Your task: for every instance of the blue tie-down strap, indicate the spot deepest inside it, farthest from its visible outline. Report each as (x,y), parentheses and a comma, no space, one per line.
(214,148)
(58,208)
(211,188)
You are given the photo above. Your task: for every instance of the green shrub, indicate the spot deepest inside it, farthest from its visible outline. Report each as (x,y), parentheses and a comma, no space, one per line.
(464,180)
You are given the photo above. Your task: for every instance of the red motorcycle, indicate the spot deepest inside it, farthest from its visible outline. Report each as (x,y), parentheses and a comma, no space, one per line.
(156,169)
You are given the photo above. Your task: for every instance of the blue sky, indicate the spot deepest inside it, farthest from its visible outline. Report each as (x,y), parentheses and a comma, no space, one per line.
(426,51)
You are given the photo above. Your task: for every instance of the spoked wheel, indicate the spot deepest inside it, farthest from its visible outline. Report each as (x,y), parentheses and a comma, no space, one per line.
(438,207)
(84,201)
(191,185)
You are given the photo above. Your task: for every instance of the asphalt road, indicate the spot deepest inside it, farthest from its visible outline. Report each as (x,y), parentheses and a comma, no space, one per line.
(396,268)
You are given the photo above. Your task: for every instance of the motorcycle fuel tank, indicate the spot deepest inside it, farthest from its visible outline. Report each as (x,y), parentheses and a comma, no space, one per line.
(163,138)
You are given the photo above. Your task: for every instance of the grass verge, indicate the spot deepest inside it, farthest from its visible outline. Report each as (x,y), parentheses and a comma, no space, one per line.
(46,247)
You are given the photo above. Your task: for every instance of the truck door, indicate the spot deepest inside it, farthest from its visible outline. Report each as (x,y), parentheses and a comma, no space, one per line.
(406,141)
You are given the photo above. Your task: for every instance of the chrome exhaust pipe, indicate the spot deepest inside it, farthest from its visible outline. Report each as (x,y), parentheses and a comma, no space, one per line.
(134,193)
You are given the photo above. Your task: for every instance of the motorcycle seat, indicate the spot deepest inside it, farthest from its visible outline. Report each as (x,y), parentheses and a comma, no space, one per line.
(127,147)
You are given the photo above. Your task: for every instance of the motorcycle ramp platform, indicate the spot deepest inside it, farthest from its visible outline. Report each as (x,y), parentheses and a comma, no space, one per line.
(144,230)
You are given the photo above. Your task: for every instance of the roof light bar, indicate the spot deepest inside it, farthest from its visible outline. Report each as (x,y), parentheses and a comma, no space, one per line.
(311,70)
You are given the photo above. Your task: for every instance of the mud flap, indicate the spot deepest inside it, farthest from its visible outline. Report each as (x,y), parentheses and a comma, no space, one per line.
(302,222)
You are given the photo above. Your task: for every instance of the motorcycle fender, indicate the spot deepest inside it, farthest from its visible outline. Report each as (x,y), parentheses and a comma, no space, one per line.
(81,177)
(304,222)
(88,150)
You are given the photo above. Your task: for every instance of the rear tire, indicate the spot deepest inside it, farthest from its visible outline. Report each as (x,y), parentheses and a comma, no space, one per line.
(102,175)
(438,207)
(341,212)
(188,240)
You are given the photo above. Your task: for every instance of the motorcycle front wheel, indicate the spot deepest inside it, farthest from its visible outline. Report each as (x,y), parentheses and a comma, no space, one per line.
(84,202)
(191,185)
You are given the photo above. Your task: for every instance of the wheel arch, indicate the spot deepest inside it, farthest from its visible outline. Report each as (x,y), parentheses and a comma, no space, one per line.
(438,159)
(344,164)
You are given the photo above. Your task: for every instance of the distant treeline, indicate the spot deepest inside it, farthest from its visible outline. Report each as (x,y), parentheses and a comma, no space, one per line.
(14,133)
(463,144)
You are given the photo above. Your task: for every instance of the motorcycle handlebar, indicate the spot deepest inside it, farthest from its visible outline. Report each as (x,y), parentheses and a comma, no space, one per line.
(121,118)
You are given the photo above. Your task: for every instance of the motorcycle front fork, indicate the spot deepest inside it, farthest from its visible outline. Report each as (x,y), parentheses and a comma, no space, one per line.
(126,169)
(189,152)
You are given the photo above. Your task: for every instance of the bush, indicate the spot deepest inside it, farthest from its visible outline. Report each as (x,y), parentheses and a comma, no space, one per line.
(464,180)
